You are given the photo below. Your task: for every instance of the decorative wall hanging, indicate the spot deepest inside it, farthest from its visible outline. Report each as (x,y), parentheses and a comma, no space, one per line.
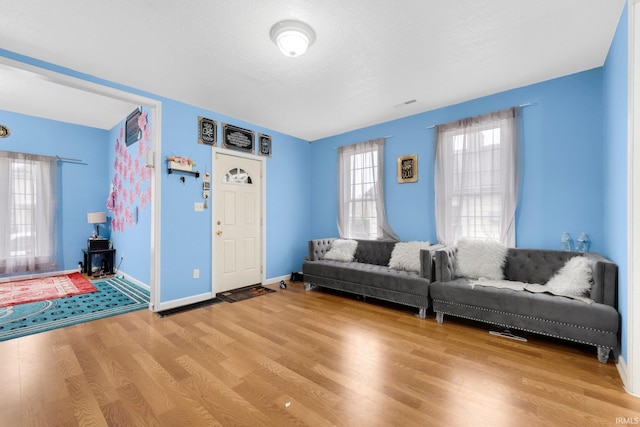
(4,131)
(207,131)
(236,138)
(264,145)
(408,168)
(132,128)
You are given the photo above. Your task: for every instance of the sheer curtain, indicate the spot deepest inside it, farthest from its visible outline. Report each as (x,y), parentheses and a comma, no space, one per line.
(27,212)
(361,211)
(477,178)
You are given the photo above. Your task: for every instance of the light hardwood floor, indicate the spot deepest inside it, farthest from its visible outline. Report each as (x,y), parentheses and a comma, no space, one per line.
(302,358)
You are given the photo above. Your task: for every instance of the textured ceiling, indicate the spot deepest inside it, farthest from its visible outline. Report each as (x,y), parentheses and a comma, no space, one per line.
(369,56)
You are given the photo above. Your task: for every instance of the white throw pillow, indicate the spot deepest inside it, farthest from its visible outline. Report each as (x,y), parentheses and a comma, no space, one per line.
(480,258)
(342,250)
(573,280)
(406,255)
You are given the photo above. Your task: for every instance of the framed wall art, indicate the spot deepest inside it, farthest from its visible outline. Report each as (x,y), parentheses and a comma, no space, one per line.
(237,138)
(132,131)
(207,131)
(408,168)
(264,145)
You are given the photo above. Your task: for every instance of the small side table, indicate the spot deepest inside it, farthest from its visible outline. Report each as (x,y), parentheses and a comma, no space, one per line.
(108,254)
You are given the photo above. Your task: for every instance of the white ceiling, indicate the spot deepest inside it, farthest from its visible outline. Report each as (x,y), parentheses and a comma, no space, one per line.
(369,55)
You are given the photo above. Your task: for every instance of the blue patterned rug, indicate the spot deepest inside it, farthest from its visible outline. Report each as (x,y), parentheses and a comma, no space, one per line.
(114,296)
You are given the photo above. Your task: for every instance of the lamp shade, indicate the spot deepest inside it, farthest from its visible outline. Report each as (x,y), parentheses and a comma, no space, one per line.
(292,37)
(97,217)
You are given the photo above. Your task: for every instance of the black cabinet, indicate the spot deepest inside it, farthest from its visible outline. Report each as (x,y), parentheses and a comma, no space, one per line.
(101,258)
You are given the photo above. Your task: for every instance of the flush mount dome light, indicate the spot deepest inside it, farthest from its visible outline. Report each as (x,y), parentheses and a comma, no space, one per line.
(292,37)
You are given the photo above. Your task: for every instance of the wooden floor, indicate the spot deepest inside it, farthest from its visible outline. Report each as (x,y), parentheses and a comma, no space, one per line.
(302,358)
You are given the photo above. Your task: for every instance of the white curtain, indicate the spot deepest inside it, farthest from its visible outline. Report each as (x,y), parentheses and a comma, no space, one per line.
(361,211)
(477,169)
(28,227)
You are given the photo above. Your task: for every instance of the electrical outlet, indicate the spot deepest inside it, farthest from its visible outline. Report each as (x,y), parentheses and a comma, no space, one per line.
(196,273)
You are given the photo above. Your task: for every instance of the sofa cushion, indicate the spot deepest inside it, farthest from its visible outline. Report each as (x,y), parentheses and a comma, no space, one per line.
(372,275)
(406,255)
(342,250)
(377,252)
(477,258)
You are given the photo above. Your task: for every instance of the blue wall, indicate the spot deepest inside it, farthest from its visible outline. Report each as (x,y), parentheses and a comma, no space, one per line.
(129,203)
(562,176)
(81,187)
(186,234)
(615,78)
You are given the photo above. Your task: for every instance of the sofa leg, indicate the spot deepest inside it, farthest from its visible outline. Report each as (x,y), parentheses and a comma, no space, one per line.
(439,317)
(308,286)
(422,312)
(603,354)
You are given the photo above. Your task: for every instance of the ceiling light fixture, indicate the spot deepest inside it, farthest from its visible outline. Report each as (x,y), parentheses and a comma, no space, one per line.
(4,131)
(292,37)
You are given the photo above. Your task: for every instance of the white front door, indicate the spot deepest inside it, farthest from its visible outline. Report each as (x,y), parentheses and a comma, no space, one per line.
(237,222)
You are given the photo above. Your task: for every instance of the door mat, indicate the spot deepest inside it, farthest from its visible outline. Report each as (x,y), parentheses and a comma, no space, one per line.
(176,310)
(43,288)
(242,294)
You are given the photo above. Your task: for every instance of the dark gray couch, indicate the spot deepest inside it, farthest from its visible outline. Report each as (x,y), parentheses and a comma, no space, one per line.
(595,324)
(369,275)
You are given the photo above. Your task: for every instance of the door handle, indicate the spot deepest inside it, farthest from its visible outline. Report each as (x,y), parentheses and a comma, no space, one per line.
(219,232)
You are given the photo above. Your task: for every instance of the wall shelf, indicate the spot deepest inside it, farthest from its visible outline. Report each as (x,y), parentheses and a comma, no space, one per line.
(194,173)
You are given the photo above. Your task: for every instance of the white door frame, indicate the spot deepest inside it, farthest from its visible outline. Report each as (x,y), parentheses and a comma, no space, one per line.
(263,225)
(155,107)
(631,372)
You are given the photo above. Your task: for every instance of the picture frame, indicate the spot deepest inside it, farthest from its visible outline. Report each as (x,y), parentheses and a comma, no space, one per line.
(207,131)
(264,145)
(237,138)
(408,168)
(132,131)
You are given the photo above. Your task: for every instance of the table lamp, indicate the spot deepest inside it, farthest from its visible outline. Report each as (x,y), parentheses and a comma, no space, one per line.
(97,218)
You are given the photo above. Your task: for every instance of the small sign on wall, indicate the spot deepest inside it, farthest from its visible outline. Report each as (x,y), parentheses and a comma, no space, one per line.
(207,131)
(408,168)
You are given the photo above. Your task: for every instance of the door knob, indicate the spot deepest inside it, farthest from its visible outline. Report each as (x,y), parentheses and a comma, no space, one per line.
(219,232)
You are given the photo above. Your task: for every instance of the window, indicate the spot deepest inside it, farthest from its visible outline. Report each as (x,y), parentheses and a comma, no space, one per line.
(476,178)
(237,176)
(27,213)
(361,213)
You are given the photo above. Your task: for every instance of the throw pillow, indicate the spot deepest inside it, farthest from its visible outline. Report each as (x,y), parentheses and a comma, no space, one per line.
(573,280)
(480,258)
(342,250)
(406,255)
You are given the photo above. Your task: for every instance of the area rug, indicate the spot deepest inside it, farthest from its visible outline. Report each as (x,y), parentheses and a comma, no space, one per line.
(44,288)
(112,296)
(241,294)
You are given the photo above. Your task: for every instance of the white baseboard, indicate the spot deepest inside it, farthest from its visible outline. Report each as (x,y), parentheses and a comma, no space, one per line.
(167,305)
(624,375)
(133,280)
(277,279)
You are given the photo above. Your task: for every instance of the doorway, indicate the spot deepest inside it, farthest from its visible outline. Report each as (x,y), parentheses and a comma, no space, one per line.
(237,222)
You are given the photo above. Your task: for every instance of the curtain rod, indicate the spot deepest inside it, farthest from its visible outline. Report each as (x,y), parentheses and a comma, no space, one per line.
(528,104)
(69,160)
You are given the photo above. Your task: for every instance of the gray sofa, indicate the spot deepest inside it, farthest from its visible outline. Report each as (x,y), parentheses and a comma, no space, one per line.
(369,274)
(595,324)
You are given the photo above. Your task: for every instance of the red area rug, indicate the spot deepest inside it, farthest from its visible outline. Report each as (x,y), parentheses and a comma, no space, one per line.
(31,290)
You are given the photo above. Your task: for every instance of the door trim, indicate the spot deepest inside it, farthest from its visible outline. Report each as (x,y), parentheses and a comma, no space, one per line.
(263,210)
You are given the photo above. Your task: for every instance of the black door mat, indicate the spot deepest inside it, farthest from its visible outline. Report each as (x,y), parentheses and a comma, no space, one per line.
(242,294)
(169,312)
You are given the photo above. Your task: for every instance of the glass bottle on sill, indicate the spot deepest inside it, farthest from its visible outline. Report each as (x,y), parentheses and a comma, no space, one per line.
(566,242)
(584,243)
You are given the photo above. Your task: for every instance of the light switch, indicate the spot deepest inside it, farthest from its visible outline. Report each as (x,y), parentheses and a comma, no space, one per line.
(198,206)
